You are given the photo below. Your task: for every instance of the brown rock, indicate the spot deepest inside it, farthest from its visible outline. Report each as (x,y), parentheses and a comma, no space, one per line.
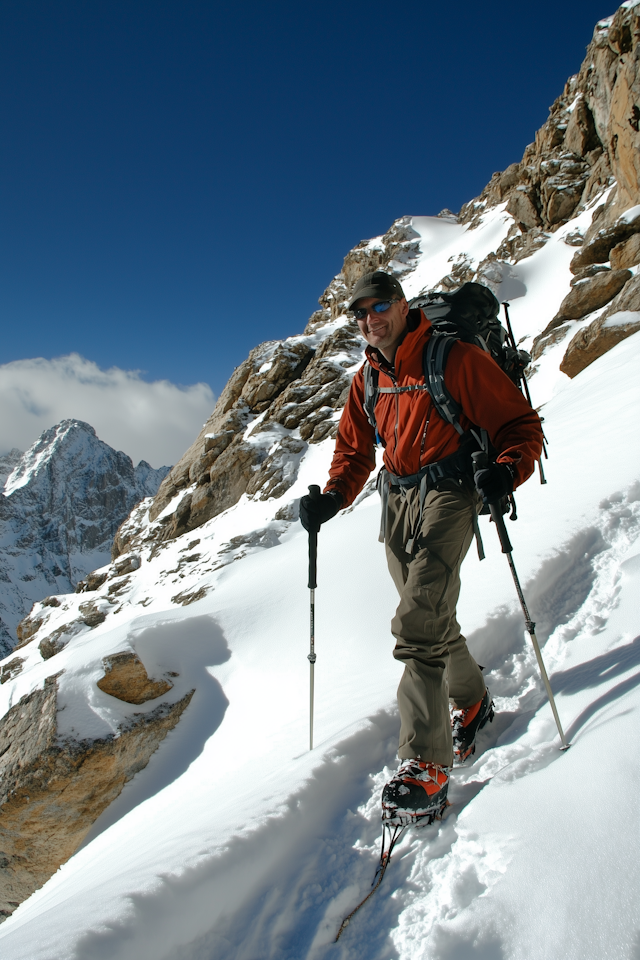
(11,669)
(52,791)
(228,480)
(626,254)
(517,245)
(624,120)
(93,581)
(126,679)
(50,602)
(596,340)
(523,207)
(580,136)
(216,443)
(619,321)
(561,200)
(591,294)
(56,641)
(590,271)
(547,338)
(213,447)
(127,565)
(287,364)
(185,598)
(598,248)
(117,586)
(508,178)
(278,472)
(91,614)
(27,629)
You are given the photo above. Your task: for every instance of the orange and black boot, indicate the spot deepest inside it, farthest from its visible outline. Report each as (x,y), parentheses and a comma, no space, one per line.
(465,725)
(416,794)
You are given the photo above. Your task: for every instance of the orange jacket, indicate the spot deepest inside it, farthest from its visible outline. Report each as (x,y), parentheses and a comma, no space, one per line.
(412,431)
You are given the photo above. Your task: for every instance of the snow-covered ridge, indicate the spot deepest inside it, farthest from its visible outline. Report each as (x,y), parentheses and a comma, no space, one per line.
(236,842)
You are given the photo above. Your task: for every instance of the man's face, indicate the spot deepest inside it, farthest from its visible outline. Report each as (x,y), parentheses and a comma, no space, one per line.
(385,330)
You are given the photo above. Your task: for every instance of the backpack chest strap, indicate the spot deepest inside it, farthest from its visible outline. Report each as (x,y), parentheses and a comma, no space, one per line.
(413,386)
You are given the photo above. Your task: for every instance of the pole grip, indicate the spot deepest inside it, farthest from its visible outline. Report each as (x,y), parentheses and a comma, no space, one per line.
(481,462)
(498,519)
(314,493)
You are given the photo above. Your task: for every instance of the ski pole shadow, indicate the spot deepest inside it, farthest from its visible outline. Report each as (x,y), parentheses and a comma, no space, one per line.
(554,594)
(602,668)
(595,672)
(614,694)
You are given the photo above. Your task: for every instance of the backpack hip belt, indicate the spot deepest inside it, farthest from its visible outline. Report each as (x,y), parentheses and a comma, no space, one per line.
(458,466)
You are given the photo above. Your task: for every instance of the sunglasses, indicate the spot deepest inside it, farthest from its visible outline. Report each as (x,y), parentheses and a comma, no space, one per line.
(380,307)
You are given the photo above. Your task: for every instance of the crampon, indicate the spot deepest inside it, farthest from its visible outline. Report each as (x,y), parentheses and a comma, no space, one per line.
(416,796)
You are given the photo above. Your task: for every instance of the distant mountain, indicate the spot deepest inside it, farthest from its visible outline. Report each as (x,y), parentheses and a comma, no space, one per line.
(8,463)
(60,507)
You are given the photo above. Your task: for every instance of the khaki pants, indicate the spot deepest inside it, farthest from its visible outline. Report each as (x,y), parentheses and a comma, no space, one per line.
(437,663)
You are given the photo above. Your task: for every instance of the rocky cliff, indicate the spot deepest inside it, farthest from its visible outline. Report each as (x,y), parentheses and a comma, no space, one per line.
(61,504)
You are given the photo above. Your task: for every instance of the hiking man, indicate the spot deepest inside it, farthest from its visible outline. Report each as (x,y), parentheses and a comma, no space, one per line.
(430,506)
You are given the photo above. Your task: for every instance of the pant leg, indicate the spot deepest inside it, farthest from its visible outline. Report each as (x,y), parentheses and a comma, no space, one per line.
(428,640)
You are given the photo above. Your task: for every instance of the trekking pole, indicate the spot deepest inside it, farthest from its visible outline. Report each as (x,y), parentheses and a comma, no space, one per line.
(481,462)
(314,493)
(525,390)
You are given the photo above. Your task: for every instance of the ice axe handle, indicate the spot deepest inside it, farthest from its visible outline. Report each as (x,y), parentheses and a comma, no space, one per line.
(481,462)
(314,493)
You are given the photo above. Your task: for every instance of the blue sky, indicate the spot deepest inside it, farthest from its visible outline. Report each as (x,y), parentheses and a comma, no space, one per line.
(180,180)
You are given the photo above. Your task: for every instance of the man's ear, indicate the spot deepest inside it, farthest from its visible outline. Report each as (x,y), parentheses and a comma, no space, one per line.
(404,306)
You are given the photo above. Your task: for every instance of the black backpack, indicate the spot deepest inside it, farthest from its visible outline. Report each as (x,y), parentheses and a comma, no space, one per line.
(469,314)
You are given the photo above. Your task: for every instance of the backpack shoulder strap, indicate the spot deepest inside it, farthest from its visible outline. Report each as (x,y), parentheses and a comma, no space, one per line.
(434,360)
(371,393)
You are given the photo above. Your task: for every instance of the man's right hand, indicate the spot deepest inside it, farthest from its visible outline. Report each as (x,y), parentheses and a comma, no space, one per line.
(315,511)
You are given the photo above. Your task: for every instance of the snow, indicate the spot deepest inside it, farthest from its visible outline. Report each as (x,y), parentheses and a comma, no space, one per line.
(632,213)
(237,842)
(622,318)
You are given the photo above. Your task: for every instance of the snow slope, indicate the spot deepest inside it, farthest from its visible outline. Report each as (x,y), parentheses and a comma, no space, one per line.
(237,843)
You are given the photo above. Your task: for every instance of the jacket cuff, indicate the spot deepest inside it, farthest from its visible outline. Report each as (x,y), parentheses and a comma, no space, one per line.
(336,496)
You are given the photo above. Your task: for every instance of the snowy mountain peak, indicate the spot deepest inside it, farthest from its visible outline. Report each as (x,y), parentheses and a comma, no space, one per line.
(8,463)
(66,440)
(60,508)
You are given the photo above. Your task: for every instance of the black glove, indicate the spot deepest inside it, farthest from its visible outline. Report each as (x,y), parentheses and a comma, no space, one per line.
(315,511)
(494,482)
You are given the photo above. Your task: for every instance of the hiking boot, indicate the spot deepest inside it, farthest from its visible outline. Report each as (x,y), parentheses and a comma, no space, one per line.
(465,725)
(417,793)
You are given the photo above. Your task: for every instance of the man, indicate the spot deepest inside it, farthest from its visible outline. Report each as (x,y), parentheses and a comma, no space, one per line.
(430,506)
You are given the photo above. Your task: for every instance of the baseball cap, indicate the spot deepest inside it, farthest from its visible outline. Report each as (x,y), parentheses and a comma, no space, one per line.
(377,284)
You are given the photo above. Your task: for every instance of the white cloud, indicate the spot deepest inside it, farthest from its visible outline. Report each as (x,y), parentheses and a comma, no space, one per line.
(149,421)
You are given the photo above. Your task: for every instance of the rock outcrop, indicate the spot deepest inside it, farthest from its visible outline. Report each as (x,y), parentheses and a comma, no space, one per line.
(63,501)
(52,790)
(126,679)
(626,254)
(590,141)
(592,292)
(619,321)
